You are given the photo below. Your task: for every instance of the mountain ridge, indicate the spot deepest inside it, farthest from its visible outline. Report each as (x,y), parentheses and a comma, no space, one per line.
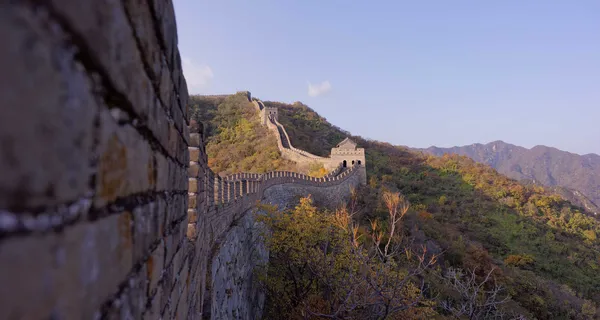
(546,165)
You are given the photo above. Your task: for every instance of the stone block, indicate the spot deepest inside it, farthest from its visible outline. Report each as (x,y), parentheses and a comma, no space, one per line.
(142,21)
(46,138)
(126,162)
(131,303)
(193,169)
(155,266)
(192,201)
(153,312)
(159,123)
(192,232)
(165,14)
(165,287)
(73,274)
(192,185)
(109,38)
(178,116)
(146,229)
(173,242)
(195,140)
(194,153)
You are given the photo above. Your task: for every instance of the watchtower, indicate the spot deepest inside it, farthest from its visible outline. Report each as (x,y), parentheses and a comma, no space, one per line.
(267,113)
(348,154)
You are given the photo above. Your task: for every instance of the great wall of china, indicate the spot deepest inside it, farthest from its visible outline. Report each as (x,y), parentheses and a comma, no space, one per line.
(108,209)
(344,151)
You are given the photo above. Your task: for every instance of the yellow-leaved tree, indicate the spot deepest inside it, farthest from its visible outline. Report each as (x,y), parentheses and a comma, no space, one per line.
(321,266)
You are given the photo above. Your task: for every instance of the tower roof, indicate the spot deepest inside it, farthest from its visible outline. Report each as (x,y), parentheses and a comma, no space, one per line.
(346,144)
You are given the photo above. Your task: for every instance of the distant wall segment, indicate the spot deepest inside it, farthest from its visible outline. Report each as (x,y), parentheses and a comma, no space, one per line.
(345,154)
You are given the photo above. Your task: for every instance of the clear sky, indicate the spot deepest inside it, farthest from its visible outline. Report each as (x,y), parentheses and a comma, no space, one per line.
(414,73)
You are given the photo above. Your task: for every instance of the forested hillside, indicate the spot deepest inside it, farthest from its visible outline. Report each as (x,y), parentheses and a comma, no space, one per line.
(236,141)
(542,250)
(544,165)
(546,250)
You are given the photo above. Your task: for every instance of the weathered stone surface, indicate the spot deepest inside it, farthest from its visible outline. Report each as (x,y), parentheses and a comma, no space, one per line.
(192,231)
(109,37)
(192,185)
(195,139)
(193,169)
(194,154)
(154,266)
(126,162)
(73,273)
(80,119)
(237,294)
(46,122)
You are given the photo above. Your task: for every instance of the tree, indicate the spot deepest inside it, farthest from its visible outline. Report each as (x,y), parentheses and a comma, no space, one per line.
(397,207)
(319,267)
(475,298)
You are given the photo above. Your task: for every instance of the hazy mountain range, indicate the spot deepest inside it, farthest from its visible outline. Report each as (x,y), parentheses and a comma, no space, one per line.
(576,177)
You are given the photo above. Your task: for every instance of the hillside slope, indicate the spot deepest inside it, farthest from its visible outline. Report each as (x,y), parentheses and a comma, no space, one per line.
(479,218)
(236,141)
(545,165)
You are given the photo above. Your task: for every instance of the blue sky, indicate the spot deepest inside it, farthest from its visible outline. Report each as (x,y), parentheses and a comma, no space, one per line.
(414,73)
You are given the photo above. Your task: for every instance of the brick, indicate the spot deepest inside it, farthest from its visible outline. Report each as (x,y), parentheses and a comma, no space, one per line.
(194,153)
(177,207)
(184,96)
(153,311)
(177,114)
(54,125)
(109,37)
(172,242)
(186,128)
(73,273)
(165,14)
(166,87)
(181,292)
(126,162)
(193,169)
(131,303)
(162,173)
(192,201)
(192,232)
(195,140)
(160,125)
(192,185)
(154,267)
(141,18)
(146,229)
(165,287)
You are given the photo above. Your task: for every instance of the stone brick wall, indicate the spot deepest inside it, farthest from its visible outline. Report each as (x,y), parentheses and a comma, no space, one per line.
(93,161)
